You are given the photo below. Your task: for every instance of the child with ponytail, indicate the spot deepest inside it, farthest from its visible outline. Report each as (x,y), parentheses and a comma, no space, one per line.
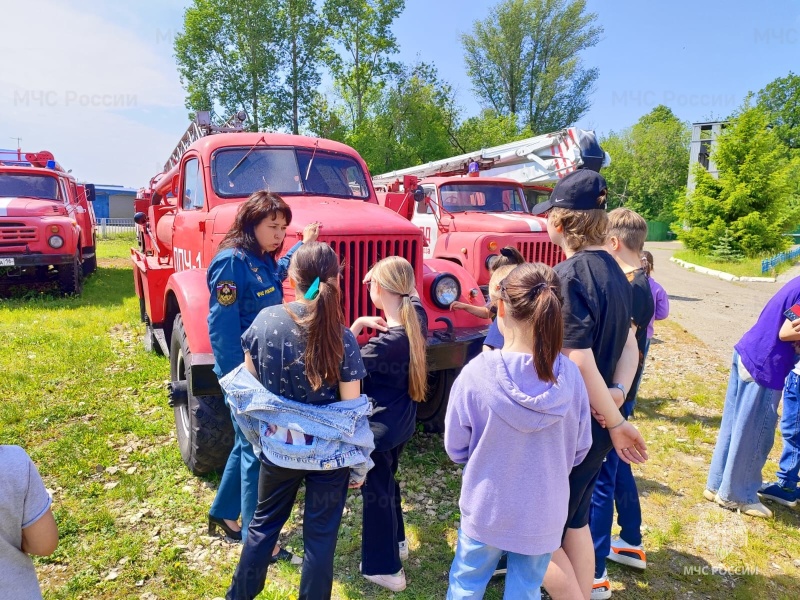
(396,380)
(310,365)
(519,420)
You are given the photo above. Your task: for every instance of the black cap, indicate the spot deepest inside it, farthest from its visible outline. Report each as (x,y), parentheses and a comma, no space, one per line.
(579,190)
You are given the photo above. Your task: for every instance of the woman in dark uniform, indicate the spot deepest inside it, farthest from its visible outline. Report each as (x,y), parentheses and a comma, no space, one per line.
(244,277)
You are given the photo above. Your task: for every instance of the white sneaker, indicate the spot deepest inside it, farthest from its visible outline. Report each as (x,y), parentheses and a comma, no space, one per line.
(601,589)
(396,582)
(403,546)
(627,554)
(751,510)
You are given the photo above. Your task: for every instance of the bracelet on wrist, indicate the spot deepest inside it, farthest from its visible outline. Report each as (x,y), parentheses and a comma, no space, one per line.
(621,388)
(617,425)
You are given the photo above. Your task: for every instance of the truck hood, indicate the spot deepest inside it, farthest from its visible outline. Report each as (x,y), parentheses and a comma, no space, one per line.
(494,222)
(338,217)
(30,207)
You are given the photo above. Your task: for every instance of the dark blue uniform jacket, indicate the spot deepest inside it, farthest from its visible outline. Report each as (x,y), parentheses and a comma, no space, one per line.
(241,285)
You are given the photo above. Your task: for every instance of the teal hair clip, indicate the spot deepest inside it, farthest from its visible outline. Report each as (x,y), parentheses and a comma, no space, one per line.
(313,291)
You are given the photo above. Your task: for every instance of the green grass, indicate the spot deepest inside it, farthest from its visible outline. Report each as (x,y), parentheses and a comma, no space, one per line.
(90,406)
(748,267)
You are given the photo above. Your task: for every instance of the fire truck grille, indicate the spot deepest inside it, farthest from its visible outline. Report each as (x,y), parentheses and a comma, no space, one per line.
(545,252)
(15,234)
(357,257)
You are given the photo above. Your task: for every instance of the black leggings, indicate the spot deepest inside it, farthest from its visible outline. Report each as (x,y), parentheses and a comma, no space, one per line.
(326,492)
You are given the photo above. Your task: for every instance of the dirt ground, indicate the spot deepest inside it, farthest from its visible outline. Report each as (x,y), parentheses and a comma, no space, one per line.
(716,311)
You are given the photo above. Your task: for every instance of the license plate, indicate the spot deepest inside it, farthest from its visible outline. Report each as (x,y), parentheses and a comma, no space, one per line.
(6,262)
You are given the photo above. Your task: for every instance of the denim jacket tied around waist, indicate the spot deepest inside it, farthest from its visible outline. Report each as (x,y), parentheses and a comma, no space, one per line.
(296,435)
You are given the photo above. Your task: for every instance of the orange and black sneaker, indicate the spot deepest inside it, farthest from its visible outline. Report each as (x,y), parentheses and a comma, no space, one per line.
(601,590)
(627,554)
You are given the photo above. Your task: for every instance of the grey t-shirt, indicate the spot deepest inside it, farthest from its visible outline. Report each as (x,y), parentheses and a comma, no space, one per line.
(23,501)
(277,346)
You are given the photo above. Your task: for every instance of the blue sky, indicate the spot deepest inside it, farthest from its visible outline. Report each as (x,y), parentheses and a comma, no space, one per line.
(95,81)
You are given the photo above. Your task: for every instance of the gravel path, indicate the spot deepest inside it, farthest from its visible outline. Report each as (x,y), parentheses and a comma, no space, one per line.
(716,311)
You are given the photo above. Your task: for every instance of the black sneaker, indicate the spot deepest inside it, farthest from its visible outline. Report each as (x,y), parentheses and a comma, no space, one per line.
(284,555)
(502,566)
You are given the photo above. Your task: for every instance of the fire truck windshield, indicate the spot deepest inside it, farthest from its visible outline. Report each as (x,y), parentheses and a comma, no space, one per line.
(13,185)
(458,197)
(286,171)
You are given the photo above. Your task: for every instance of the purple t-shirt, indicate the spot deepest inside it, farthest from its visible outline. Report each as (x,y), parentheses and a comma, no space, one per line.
(661,302)
(764,355)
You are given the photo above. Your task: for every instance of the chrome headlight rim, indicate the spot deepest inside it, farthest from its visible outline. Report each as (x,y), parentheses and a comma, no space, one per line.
(442,277)
(489,260)
(55,241)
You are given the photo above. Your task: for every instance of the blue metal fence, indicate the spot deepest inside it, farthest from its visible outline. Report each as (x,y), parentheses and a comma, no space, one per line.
(769,263)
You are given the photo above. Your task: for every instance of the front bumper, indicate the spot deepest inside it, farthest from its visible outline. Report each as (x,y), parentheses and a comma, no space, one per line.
(454,349)
(17,260)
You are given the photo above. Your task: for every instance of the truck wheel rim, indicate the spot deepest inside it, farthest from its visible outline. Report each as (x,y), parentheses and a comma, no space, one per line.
(183,409)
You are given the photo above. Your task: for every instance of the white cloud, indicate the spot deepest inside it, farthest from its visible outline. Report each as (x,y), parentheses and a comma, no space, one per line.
(90,89)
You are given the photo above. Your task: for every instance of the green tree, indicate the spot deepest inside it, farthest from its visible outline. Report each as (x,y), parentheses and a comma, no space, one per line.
(754,201)
(486,130)
(524,59)
(262,55)
(227,57)
(362,44)
(781,100)
(414,122)
(649,164)
(302,42)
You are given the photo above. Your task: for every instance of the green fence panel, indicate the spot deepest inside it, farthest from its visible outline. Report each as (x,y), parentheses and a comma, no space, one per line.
(657,231)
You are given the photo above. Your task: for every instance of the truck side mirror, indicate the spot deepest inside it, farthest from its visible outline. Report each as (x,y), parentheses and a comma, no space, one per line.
(419,195)
(91,194)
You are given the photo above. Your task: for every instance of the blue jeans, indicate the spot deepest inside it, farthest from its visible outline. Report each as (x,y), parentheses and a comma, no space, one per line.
(475,563)
(745,438)
(790,430)
(615,484)
(238,489)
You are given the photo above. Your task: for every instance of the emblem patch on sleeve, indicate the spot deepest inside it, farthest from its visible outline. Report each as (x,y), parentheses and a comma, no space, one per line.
(226,293)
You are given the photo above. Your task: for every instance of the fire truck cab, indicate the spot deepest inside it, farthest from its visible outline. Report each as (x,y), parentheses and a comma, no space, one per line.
(47,223)
(185,212)
(472,205)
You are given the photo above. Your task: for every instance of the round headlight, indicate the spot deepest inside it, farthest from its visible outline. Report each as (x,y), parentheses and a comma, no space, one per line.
(490,261)
(55,241)
(445,290)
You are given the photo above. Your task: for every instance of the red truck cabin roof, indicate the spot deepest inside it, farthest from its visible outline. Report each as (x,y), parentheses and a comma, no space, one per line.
(227,154)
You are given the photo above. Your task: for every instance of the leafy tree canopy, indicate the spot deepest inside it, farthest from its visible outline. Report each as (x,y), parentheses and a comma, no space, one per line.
(649,164)
(781,100)
(524,59)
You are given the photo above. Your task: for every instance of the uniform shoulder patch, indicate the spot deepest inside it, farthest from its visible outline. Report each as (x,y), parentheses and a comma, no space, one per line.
(226,292)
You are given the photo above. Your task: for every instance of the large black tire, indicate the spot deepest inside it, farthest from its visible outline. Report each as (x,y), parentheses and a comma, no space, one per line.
(430,414)
(203,423)
(70,277)
(90,265)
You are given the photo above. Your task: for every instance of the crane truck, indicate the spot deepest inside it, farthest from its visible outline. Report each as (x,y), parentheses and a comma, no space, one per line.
(472,205)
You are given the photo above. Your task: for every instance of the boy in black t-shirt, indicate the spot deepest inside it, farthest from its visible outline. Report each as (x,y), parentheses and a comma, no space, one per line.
(627,232)
(598,338)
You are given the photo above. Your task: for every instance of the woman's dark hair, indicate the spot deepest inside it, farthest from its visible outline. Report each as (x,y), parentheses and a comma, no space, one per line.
(647,262)
(508,256)
(532,296)
(323,320)
(259,206)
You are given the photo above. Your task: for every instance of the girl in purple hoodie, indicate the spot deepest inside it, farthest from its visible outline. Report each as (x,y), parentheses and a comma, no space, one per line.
(519,420)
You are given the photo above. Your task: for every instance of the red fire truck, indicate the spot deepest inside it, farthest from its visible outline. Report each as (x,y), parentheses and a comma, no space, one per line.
(47,224)
(470,206)
(184,213)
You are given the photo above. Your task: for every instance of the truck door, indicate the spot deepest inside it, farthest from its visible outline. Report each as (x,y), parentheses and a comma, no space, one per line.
(425,219)
(187,228)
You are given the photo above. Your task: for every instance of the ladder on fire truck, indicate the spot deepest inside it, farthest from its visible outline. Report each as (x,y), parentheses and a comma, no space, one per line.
(201,127)
(538,159)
